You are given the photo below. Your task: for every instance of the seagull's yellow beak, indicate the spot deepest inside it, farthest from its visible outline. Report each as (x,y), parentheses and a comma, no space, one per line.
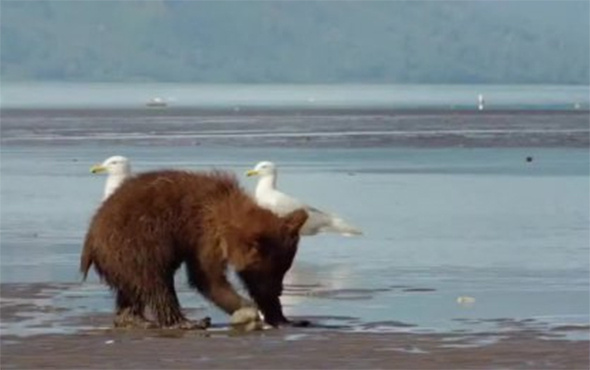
(252,173)
(98,168)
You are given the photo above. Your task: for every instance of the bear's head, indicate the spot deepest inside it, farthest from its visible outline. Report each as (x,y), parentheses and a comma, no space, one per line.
(270,251)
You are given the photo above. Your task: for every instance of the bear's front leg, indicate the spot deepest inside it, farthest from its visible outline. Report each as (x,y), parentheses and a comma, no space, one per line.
(266,292)
(213,284)
(220,292)
(272,311)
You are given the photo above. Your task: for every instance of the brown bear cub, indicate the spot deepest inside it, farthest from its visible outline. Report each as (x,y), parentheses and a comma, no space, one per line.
(156,221)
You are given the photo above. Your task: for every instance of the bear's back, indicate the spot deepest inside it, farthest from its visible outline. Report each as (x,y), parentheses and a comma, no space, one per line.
(160,191)
(158,205)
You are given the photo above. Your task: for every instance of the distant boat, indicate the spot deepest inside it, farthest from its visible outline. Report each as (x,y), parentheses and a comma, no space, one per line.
(157,103)
(480,102)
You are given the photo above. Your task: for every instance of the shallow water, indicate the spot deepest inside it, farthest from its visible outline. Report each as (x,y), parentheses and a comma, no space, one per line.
(439,224)
(109,95)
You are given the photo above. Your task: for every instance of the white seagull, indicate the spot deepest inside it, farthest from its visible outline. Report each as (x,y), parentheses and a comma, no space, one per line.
(267,196)
(118,169)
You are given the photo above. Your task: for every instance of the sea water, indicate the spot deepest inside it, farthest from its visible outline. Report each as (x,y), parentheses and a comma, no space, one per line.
(237,96)
(438,224)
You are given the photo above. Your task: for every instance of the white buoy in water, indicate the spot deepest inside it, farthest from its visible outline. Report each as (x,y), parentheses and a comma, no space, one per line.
(480,102)
(157,102)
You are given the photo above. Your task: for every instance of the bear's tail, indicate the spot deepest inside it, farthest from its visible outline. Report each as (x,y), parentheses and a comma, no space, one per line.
(87,259)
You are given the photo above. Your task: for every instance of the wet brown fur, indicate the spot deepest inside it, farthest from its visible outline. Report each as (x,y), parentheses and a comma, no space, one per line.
(156,221)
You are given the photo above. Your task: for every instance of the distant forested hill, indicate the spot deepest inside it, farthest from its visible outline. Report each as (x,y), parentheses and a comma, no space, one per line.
(296,41)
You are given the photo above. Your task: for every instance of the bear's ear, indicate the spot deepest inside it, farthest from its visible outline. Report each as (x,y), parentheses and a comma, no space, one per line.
(295,220)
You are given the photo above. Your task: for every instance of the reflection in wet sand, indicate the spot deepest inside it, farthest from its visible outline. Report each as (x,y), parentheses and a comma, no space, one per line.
(308,281)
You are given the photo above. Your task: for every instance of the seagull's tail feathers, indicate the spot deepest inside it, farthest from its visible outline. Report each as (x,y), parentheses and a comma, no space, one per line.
(342,227)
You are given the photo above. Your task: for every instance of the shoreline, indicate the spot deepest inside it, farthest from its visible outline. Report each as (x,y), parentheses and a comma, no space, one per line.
(87,340)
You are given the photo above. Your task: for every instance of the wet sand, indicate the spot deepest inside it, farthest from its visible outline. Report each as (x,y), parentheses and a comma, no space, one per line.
(88,341)
(353,128)
(288,349)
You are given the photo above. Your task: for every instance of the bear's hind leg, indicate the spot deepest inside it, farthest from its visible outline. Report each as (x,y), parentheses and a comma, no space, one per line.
(166,308)
(130,312)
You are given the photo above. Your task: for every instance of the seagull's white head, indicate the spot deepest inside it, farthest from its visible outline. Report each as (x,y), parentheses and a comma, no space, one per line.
(262,169)
(116,165)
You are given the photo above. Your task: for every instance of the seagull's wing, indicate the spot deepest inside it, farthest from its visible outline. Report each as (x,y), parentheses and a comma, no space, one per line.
(283,204)
(318,221)
(338,225)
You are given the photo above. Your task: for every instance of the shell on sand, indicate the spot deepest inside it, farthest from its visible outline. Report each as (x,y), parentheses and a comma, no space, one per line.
(247,319)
